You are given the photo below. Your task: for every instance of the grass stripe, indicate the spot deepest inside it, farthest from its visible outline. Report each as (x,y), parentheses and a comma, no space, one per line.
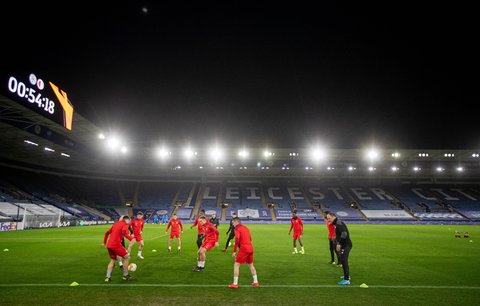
(245,286)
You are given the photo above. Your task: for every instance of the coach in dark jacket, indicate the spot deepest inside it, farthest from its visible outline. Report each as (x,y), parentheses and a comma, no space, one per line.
(344,245)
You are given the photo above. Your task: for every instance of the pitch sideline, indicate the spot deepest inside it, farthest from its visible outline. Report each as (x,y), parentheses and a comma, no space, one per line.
(246,286)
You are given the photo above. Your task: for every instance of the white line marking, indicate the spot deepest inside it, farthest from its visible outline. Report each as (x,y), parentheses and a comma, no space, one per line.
(261,286)
(157,237)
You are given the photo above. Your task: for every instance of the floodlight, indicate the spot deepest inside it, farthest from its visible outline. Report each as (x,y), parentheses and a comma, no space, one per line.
(372,154)
(243,153)
(216,153)
(163,153)
(188,153)
(318,154)
(113,143)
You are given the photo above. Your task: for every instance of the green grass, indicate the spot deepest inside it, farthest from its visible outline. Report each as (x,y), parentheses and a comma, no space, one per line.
(42,263)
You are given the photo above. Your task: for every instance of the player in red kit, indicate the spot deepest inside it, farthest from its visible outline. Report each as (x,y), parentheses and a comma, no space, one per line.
(177,227)
(117,232)
(137,227)
(331,240)
(297,226)
(120,259)
(243,241)
(201,230)
(210,241)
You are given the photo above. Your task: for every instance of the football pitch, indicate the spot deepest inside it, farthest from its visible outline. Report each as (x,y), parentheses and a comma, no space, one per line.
(401,264)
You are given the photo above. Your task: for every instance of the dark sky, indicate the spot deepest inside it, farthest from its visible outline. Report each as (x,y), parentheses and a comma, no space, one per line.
(399,75)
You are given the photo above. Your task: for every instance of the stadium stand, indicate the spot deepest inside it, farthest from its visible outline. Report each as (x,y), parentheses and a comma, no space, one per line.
(279,195)
(157,195)
(335,199)
(210,195)
(372,198)
(242,196)
(13,211)
(233,195)
(251,196)
(185,194)
(101,199)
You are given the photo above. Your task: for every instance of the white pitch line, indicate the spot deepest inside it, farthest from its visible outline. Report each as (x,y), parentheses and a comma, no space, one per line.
(246,286)
(157,237)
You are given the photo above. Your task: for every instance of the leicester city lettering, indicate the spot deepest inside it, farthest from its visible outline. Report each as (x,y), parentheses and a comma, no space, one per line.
(440,216)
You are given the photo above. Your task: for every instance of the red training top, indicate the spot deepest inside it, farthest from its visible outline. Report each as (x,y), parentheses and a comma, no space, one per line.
(116,233)
(211,233)
(331,230)
(201,228)
(297,225)
(137,225)
(176,226)
(243,239)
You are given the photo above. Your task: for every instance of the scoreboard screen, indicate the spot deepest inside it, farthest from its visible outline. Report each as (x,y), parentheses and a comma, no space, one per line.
(39,95)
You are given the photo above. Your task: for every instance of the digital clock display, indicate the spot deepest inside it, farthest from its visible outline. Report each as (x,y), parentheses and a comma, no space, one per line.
(44,97)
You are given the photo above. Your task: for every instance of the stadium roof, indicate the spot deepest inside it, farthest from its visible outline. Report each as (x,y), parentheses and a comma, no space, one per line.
(26,134)
(31,141)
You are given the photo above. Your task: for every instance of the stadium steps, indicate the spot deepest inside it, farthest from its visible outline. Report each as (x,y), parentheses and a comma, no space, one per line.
(191,195)
(224,214)
(458,212)
(94,211)
(406,208)
(408,211)
(220,196)
(262,195)
(198,202)
(361,212)
(320,211)
(272,212)
(175,208)
(347,191)
(352,199)
(175,198)
(307,198)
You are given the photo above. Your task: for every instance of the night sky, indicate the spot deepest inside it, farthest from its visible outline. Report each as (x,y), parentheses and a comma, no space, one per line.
(397,75)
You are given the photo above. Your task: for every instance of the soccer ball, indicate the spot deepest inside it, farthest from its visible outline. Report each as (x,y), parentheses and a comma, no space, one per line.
(132,267)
